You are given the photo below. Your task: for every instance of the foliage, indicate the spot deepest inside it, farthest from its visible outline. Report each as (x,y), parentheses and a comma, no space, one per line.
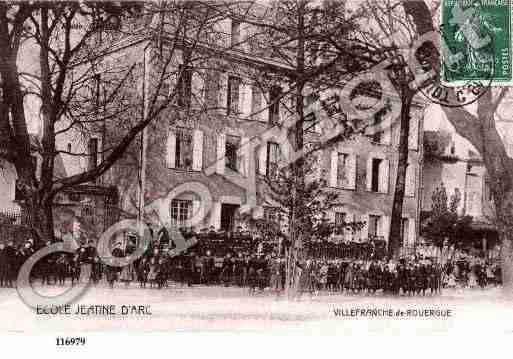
(444,222)
(313,205)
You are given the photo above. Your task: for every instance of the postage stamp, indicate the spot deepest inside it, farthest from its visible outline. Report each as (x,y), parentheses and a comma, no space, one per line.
(477,42)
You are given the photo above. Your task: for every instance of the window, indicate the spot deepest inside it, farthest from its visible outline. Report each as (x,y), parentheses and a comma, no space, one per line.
(93,153)
(274,104)
(183,152)
(184,86)
(181,210)
(69,147)
(374,222)
(235,33)
(256,101)
(233,161)
(376,163)
(233,95)
(212,89)
(340,220)
(404,230)
(488,190)
(342,170)
(273,158)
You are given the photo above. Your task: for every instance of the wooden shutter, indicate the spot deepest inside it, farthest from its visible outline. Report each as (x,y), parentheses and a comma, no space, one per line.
(351,173)
(215,215)
(368,174)
(245,155)
(262,158)
(385,227)
(197,150)
(245,99)
(223,93)
(220,153)
(197,213)
(265,106)
(334,168)
(409,189)
(411,231)
(413,136)
(383,176)
(171,149)
(197,88)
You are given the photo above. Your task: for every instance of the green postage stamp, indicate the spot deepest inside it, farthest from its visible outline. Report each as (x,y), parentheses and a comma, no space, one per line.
(476,42)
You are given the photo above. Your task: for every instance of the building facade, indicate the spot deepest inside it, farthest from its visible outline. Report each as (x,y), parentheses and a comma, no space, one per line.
(451,161)
(226,99)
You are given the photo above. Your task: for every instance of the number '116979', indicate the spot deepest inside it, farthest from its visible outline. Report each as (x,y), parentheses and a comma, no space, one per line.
(59,341)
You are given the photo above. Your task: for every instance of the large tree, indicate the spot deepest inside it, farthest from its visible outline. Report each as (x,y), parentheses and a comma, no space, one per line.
(65,80)
(312,41)
(481,127)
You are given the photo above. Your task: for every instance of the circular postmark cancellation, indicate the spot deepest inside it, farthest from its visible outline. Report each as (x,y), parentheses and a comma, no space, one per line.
(471,38)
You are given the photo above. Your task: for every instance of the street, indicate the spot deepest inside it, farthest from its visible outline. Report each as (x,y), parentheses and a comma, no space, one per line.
(232,309)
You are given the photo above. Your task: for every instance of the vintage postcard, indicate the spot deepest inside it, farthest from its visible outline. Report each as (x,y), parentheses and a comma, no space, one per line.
(295,166)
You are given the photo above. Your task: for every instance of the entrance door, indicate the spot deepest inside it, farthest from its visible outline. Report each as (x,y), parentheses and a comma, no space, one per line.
(228,216)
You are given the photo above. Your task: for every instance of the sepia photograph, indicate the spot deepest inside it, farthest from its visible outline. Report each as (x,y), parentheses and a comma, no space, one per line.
(329,167)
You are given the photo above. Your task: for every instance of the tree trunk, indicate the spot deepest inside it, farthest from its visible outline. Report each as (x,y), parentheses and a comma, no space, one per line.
(395,234)
(298,166)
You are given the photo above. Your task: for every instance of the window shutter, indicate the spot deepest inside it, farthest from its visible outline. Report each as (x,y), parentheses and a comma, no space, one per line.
(351,164)
(256,102)
(197,213)
(411,231)
(215,215)
(262,158)
(197,150)
(368,174)
(245,97)
(244,155)
(383,176)
(171,150)
(409,189)
(413,136)
(334,168)
(221,148)
(385,227)
(197,88)
(223,92)
(265,106)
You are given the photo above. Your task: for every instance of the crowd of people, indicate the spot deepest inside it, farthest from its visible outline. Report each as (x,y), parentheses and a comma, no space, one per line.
(254,270)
